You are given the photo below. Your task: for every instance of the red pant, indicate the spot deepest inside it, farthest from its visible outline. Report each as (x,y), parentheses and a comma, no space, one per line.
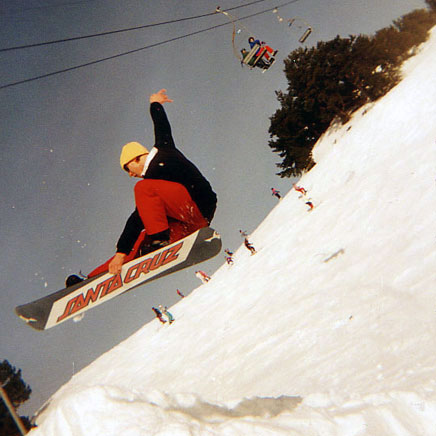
(162,205)
(264,50)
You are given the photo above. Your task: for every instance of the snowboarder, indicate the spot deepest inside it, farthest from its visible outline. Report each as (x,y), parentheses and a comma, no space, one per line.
(249,245)
(243,233)
(276,193)
(228,252)
(173,199)
(202,276)
(310,204)
(180,294)
(158,315)
(164,310)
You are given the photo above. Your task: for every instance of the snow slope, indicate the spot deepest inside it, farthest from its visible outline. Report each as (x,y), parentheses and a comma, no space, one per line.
(330,329)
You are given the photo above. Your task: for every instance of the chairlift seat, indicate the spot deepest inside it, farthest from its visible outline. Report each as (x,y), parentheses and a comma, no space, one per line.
(251,54)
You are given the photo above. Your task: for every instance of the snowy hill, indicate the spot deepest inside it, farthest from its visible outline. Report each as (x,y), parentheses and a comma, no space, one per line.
(330,329)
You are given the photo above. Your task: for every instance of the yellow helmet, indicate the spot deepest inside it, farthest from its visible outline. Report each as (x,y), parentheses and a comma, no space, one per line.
(131,151)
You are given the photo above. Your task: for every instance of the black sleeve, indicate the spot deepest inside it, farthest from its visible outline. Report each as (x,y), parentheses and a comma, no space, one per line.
(130,234)
(162,128)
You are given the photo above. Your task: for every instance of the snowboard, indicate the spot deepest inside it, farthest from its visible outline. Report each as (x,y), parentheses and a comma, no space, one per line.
(73,301)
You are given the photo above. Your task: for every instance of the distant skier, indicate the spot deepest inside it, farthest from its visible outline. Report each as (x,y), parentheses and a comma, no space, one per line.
(158,315)
(249,246)
(228,252)
(164,310)
(300,189)
(228,256)
(276,193)
(247,243)
(180,294)
(310,204)
(202,276)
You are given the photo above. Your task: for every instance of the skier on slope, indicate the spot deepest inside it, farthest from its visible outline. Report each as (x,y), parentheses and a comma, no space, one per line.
(202,276)
(158,315)
(165,311)
(228,256)
(247,243)
(173,199)
(249,246)
(276,193)
(299,189)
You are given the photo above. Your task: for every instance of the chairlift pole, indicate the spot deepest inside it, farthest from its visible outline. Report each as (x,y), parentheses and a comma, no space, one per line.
(234,20)
(291,21)
(305,35)
(11,409)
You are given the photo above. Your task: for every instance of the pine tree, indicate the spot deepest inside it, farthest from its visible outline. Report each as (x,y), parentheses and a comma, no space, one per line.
(327,83)
(18,393)
(431,4)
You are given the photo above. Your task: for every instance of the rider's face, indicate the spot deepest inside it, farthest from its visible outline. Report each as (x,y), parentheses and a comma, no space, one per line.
(136,166)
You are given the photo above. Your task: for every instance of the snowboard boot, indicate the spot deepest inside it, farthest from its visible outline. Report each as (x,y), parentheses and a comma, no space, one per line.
(154,242)
(73,280)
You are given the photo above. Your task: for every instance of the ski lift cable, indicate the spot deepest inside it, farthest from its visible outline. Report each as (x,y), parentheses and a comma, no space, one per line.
(97,61)
(42,7)
(129,29)
(293,19)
